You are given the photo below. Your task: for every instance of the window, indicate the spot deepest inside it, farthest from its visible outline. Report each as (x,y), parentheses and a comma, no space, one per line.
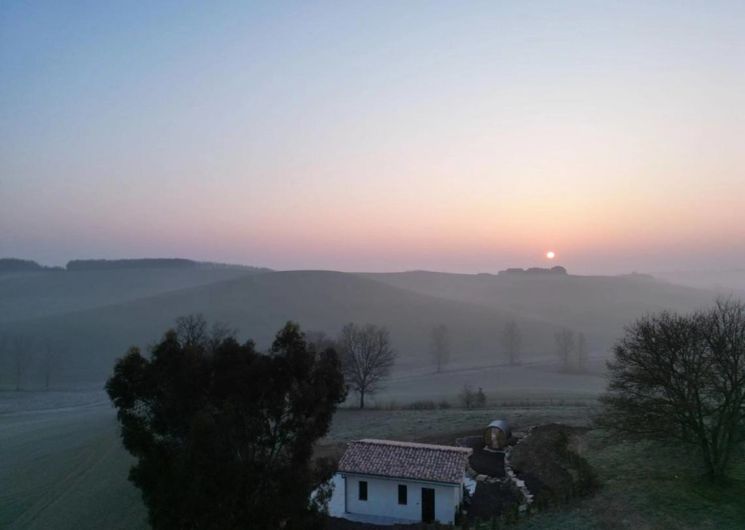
(402,494)
(363,490)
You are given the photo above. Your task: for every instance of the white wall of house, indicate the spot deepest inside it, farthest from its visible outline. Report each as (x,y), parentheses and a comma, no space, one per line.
(382,498)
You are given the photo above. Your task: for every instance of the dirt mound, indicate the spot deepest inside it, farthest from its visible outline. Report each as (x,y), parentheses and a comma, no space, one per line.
(492,500)
(548,461)
(487,463)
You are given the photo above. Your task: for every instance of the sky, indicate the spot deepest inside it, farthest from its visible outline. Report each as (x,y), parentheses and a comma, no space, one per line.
(383,135)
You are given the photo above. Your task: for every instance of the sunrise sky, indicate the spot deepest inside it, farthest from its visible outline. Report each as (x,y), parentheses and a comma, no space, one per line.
(460,136)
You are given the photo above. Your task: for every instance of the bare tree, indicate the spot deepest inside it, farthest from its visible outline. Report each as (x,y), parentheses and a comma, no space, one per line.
(440,346)
(565,347)
(48,363)
(582,352)
(51,356)
(479,398)
(192,330)
(3,356)
(467,396)
(512,342)
(22,356)
(682,378)
(367,357)
(219,332)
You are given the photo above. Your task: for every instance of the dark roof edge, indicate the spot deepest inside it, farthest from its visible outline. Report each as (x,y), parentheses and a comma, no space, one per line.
(390,477)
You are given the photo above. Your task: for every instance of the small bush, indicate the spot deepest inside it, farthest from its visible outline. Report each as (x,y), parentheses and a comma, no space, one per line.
(470,399)
(422,405)
(467,397)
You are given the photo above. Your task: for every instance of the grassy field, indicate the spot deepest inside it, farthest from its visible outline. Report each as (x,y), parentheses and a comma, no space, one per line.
(538,381)
(645,486)
(413,425)
(62,466)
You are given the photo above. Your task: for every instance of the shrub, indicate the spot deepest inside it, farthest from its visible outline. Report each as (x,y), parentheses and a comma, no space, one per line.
(467,397)
(422,405)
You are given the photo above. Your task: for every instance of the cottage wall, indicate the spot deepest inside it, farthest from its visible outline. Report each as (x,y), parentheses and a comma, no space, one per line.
(382,498)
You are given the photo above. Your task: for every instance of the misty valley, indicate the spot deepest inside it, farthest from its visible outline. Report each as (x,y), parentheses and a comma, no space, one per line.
(372,265)
(530,347)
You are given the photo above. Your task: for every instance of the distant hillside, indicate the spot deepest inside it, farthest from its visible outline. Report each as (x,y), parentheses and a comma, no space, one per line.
(11,265)
(723,282)
(599,306)
(534,270)
(95,315)
(42,292)
(148,263)
(118,264)
(258,305)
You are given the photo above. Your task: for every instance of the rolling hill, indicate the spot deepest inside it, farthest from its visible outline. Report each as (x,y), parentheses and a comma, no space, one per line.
(93,316)
(725,282)
(599,306)
(258,305)
(30,294)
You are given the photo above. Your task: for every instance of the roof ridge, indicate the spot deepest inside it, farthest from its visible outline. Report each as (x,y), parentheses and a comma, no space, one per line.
(414,445)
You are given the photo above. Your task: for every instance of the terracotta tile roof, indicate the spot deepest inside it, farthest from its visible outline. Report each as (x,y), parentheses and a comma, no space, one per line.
(388,458)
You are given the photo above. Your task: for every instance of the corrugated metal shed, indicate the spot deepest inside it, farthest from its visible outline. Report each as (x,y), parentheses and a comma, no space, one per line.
(497,434)
(503,426)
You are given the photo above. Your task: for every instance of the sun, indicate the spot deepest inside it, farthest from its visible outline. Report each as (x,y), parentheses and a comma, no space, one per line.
(550,254)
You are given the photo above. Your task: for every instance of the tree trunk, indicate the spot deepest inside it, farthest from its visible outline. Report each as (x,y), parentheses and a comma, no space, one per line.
(717,461)
(362,399)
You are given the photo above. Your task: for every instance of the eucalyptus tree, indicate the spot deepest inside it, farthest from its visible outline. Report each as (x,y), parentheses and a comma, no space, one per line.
(223,434)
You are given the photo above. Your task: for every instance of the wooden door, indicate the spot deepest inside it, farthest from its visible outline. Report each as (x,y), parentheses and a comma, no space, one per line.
(428,505)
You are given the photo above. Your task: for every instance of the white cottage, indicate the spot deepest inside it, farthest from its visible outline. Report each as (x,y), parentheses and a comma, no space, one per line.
(403,481)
